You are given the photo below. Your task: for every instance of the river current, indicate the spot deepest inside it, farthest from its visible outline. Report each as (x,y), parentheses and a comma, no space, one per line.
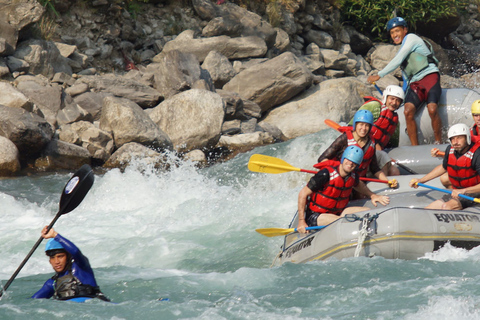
(182,245)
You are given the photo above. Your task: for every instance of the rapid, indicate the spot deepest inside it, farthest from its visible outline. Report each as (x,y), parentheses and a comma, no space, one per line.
(182,245)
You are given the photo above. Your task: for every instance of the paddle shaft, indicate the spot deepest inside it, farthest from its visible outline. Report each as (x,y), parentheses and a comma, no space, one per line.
(449,192)
(9,282)
(376,87)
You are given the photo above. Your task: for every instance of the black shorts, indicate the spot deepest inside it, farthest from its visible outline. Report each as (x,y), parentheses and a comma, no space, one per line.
(311,219)
(426,90)
(465,203)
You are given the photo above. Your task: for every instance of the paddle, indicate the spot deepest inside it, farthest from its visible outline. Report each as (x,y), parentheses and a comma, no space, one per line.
(376,87)
(267,164)
(72,195)
(275,232)
(477,200)
(336,126)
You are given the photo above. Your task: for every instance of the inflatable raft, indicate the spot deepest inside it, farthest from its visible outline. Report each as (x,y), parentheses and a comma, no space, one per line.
(453,107)
(398,231)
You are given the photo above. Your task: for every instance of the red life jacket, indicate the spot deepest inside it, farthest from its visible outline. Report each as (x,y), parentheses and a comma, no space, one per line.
(475,134)
(333,198)
(384,127)
(460,171)
(368,154)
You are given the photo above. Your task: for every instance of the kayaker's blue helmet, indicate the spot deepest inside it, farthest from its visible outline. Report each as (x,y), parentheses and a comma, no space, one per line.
(354,154)
(53,247)
(363,116)
(396,22)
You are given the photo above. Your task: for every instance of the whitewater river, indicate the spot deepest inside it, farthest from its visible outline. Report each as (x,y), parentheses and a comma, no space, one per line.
(189,236)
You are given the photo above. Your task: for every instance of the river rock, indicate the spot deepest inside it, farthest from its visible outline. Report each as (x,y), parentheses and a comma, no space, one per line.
(29,132)
(48,98)
(11,97)
(127,122)
(174,72)
(132,151)
(219,67)
(273,82)
(192,119)
(335,99)
(92,102)
(62,155)
(9,157)
(232,48)
(123,87)
(247,140)
(98,142)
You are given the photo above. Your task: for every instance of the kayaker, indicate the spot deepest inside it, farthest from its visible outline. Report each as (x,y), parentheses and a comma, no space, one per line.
(474,134)
(73,277)
(462,162)
(384,127)
(325,197)
(358,136)
(421,76)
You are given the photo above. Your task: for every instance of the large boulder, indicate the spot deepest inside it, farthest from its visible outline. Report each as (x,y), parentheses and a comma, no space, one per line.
(219,67)
(92,102)
(123,87)
(335,99)
(9,157)
(232,48)
(127,122)
(15,16)
(174,72)
(134,152)
(11,97)
(47,98)
(192,119)
(29,132)
(272,82)
(62,155)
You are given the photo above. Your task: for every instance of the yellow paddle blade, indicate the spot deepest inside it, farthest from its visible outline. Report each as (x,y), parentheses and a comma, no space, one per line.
(267,164)
(274,232)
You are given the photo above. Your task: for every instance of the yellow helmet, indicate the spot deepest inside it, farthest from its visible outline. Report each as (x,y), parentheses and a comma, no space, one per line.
(476,107)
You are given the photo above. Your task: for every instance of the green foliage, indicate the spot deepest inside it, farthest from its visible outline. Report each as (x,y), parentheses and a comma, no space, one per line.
(49,5)
(371,16)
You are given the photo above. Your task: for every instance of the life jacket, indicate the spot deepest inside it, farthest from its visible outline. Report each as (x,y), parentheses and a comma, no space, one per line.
(384,127)
(475,134)
(68,287)
(334,196)
(460,171)
(368,153)
(416,62)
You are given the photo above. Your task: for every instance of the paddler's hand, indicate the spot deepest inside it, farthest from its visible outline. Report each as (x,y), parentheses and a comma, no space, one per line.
(301,226)
(413,183)
(393,183)
(456,192)
(373,79)
(382,199)
(50,234)
(434,152)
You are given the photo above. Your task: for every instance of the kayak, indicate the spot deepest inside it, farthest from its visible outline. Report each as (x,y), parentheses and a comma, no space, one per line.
(401,230)
(454,107)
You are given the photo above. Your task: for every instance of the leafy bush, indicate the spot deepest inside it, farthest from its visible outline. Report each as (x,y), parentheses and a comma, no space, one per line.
(371,16)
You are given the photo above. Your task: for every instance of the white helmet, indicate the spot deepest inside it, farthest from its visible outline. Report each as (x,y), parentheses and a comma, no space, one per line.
(393,90)
(460,129)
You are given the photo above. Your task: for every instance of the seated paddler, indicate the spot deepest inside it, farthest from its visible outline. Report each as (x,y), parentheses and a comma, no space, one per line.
(462,163)
(74,277)
(324,199)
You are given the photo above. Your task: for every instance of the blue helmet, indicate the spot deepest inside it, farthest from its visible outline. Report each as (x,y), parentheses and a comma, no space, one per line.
(395,22)
(52,245)
(362,116)
(354,154)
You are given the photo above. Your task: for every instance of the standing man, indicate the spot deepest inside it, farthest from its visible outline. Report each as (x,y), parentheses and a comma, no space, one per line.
(73,277)
(462,162)
(324,198)
(420,75)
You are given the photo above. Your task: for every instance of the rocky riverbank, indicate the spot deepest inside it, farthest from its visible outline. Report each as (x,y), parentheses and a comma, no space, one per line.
(202,80)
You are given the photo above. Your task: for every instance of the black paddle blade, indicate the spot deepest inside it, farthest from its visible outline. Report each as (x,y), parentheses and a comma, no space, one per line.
(76,189)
